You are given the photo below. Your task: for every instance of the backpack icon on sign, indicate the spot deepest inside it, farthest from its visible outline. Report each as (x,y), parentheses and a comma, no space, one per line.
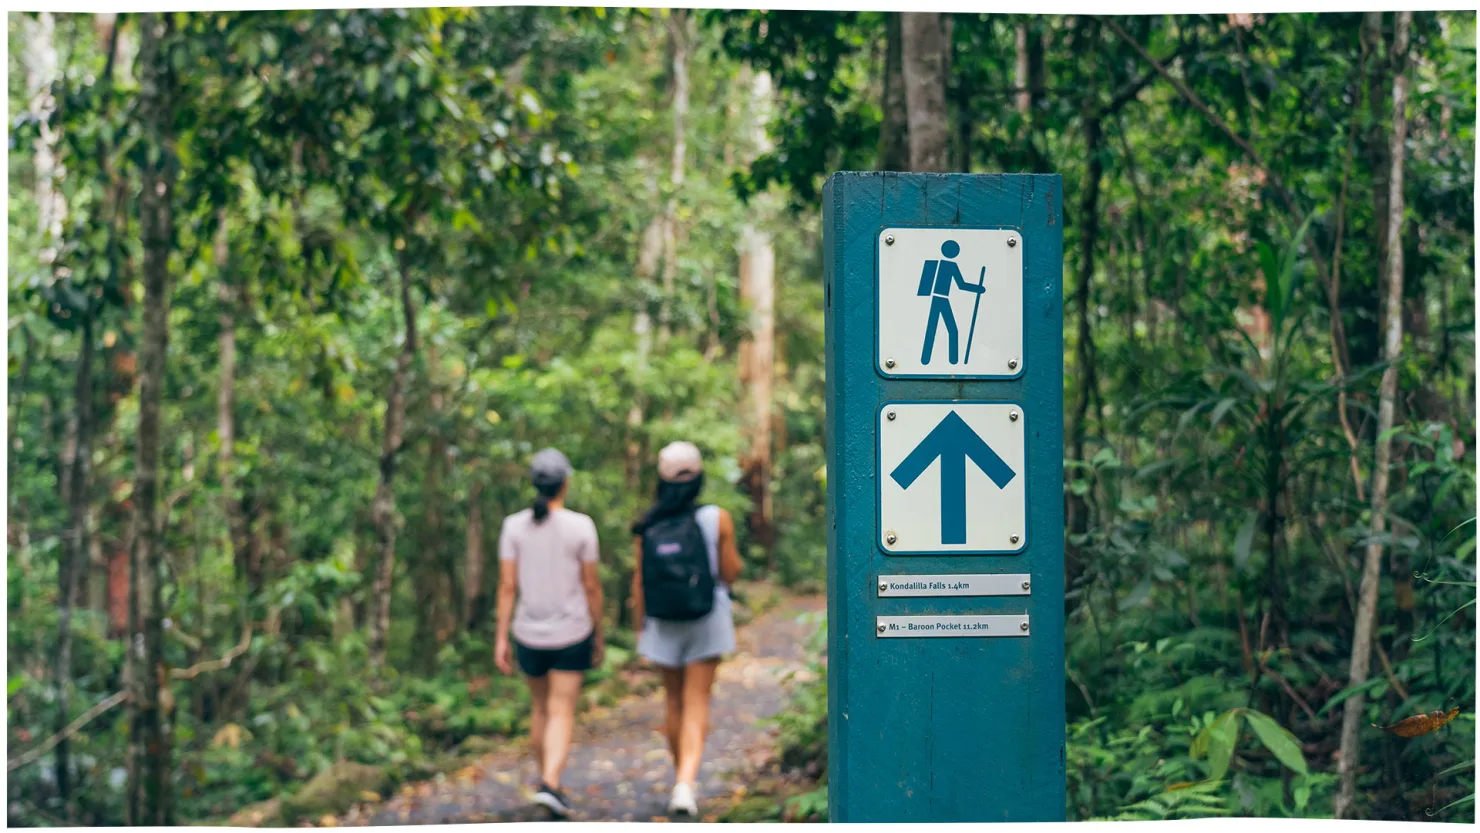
(936,280)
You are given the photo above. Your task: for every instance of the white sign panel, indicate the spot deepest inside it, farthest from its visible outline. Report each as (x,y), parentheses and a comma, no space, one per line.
(951,478)
(1008,584)
(889,627)
(950,302)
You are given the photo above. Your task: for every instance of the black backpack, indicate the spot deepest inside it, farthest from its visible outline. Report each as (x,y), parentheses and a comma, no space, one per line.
(677,584)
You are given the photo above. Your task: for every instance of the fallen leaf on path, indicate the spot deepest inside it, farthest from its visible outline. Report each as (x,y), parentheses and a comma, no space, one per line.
(328,821)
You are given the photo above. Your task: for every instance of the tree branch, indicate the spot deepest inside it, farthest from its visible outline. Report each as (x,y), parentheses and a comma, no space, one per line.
(1191,97)
(224,661)
(46,746)
(1132,88)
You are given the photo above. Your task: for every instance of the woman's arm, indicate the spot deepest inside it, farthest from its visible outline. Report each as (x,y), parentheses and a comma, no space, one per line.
(591,581)
(729,554)
(508,574)
(636,601)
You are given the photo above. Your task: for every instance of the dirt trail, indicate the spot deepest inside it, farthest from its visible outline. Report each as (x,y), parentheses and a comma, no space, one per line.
(619,767)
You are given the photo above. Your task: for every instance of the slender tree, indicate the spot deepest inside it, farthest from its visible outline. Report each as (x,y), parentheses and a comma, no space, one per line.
(150,791)
(894,138)
(924,56)
(1392,349)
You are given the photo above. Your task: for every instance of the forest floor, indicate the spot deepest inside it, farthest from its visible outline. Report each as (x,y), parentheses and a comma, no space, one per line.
(619,767)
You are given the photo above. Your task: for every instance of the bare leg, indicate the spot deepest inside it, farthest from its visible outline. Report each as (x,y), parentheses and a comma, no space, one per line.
(698,679)
(565,691)
(539,711)
(673,689)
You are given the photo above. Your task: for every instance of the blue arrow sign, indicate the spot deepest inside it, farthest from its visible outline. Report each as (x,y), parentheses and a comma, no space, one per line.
(952,441)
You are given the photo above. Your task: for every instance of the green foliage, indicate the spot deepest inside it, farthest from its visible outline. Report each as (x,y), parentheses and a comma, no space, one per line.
(808,806)
(509,166)
(801,740)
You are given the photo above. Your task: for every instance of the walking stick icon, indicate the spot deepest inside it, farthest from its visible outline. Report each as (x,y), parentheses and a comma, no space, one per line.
(971,333)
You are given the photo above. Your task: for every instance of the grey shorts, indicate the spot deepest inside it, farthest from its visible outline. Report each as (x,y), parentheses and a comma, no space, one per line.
(676,644)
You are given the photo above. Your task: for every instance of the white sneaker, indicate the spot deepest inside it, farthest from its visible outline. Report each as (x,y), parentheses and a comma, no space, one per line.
(683,800)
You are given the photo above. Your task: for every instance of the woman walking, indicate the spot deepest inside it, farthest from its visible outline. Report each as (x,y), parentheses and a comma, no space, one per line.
(686,560)
(547,556)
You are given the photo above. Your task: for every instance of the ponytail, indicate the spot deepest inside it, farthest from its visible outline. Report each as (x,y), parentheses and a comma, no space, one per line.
(546,493)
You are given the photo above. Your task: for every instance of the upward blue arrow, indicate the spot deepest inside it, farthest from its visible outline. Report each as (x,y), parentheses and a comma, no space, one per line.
(952,441)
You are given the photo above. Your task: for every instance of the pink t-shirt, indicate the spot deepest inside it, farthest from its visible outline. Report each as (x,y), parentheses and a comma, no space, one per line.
(552,611)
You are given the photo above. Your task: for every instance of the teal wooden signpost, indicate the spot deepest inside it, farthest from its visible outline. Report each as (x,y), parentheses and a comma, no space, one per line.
(945,544)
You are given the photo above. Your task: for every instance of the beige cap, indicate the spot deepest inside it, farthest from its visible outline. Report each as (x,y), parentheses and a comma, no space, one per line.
(680,462)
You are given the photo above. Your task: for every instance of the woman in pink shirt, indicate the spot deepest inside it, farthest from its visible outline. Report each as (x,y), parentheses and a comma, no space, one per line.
(547,559)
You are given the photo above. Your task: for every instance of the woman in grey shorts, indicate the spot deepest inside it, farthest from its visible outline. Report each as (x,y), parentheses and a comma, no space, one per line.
(688,652)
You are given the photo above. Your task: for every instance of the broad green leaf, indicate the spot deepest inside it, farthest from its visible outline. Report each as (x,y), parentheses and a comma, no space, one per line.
(1243,542)
(1222,410)
(1463,766)
(1222,737)
(1277,739)
(1469,799)
(1346,693)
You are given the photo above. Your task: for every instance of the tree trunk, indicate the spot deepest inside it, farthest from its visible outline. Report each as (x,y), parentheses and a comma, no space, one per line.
(923,57)
(1379,70)
(149,800)
(1088,217)
(1366,616)
(659,239)
(642,327)
(75,555)
(431,573)
(474,599)
(40,59)
(1024,97)
(383,510)
(758,350)
(39,56)
(757,369)
(894,131)
(227,296)
(679,43)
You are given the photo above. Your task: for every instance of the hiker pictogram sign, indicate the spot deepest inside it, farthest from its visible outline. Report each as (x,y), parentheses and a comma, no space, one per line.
(950,303)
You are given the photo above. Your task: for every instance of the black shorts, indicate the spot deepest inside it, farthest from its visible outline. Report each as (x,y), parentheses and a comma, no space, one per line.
(537,662)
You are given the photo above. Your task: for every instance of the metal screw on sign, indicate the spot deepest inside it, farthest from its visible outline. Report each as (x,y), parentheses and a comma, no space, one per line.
(1023,626)
(881,629)
(888,240)
(1013,415)
(890,416)
(1012,364)
(1014,539)
(1025,585)
(883,587)
(1011,242)
(890,537)
(888,362)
